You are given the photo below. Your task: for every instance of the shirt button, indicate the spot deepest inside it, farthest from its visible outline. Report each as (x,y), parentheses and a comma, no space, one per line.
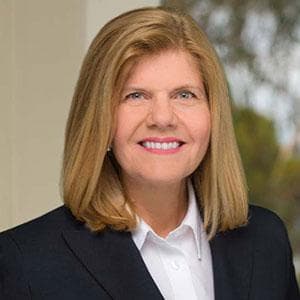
(175,265)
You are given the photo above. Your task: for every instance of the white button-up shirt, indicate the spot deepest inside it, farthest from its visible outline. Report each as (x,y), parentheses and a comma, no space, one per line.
(179,264)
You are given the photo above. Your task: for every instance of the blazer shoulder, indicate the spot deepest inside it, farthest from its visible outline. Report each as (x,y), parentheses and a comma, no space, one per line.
(262,216)
(266,224)
(263,226)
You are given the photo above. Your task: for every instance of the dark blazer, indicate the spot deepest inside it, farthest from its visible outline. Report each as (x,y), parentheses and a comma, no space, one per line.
(57,257)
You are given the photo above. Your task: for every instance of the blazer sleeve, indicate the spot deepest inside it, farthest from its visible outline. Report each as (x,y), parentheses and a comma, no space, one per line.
(13,284)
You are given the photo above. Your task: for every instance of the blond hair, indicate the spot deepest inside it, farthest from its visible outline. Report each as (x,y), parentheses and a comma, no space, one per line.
(91,182)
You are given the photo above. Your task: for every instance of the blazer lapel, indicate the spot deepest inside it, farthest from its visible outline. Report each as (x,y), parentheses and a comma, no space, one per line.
(114,261)
(232,257)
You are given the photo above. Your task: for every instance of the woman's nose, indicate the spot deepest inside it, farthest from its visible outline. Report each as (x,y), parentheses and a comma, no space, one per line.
(162,113)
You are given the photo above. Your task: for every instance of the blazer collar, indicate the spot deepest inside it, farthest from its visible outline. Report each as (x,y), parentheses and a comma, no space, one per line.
(114,261)
(232,256)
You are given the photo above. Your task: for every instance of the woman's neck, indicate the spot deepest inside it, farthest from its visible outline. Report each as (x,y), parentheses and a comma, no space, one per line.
(161,206)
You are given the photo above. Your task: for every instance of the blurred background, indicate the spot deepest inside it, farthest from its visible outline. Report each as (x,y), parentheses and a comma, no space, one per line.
(259,45)
(42,44)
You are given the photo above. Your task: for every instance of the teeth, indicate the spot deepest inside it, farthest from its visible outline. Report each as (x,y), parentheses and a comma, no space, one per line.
(163,146)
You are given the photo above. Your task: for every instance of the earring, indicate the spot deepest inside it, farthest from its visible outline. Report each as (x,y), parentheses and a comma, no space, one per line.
(108,149)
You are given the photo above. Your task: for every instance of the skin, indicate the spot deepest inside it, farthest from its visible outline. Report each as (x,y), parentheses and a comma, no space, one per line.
(164,96)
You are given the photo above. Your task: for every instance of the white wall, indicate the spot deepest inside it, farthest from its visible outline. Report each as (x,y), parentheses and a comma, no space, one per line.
(42,44)
(99,12)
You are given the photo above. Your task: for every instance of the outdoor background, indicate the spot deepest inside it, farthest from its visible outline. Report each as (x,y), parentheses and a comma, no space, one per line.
(259,45)
(42,44)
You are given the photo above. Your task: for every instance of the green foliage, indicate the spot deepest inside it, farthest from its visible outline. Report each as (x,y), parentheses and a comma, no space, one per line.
(273,180)
(286,179)
(286,195)
(259,149)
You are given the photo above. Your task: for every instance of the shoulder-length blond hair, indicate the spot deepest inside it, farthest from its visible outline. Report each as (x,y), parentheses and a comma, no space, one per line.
(91,184)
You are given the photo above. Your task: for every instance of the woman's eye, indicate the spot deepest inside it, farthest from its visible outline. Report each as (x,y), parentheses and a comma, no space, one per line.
(186,95)
(135,96)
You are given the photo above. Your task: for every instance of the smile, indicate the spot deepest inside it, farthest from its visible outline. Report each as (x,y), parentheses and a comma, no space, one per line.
(162,145)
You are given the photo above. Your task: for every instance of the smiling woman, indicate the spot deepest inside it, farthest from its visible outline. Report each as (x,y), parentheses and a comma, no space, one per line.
(121,50)
(155,201)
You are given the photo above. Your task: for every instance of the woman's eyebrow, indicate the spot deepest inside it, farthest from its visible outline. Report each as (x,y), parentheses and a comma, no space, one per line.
(133,88)
(182,87)
(187,86)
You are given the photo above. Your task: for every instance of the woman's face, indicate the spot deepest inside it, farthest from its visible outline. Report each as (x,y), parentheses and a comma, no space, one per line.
(163,120)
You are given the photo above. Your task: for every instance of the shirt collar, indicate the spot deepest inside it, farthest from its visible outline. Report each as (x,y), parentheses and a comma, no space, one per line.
(192,219)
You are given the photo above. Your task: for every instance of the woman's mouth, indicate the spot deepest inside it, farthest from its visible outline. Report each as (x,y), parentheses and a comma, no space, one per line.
(164,146)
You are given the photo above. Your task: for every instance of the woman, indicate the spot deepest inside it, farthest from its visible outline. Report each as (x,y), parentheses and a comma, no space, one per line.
(154,191)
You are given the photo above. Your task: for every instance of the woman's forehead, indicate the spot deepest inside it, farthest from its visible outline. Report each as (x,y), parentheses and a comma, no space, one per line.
(168,65)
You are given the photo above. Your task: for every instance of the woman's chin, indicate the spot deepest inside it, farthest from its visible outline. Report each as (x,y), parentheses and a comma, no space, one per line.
(161,180)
